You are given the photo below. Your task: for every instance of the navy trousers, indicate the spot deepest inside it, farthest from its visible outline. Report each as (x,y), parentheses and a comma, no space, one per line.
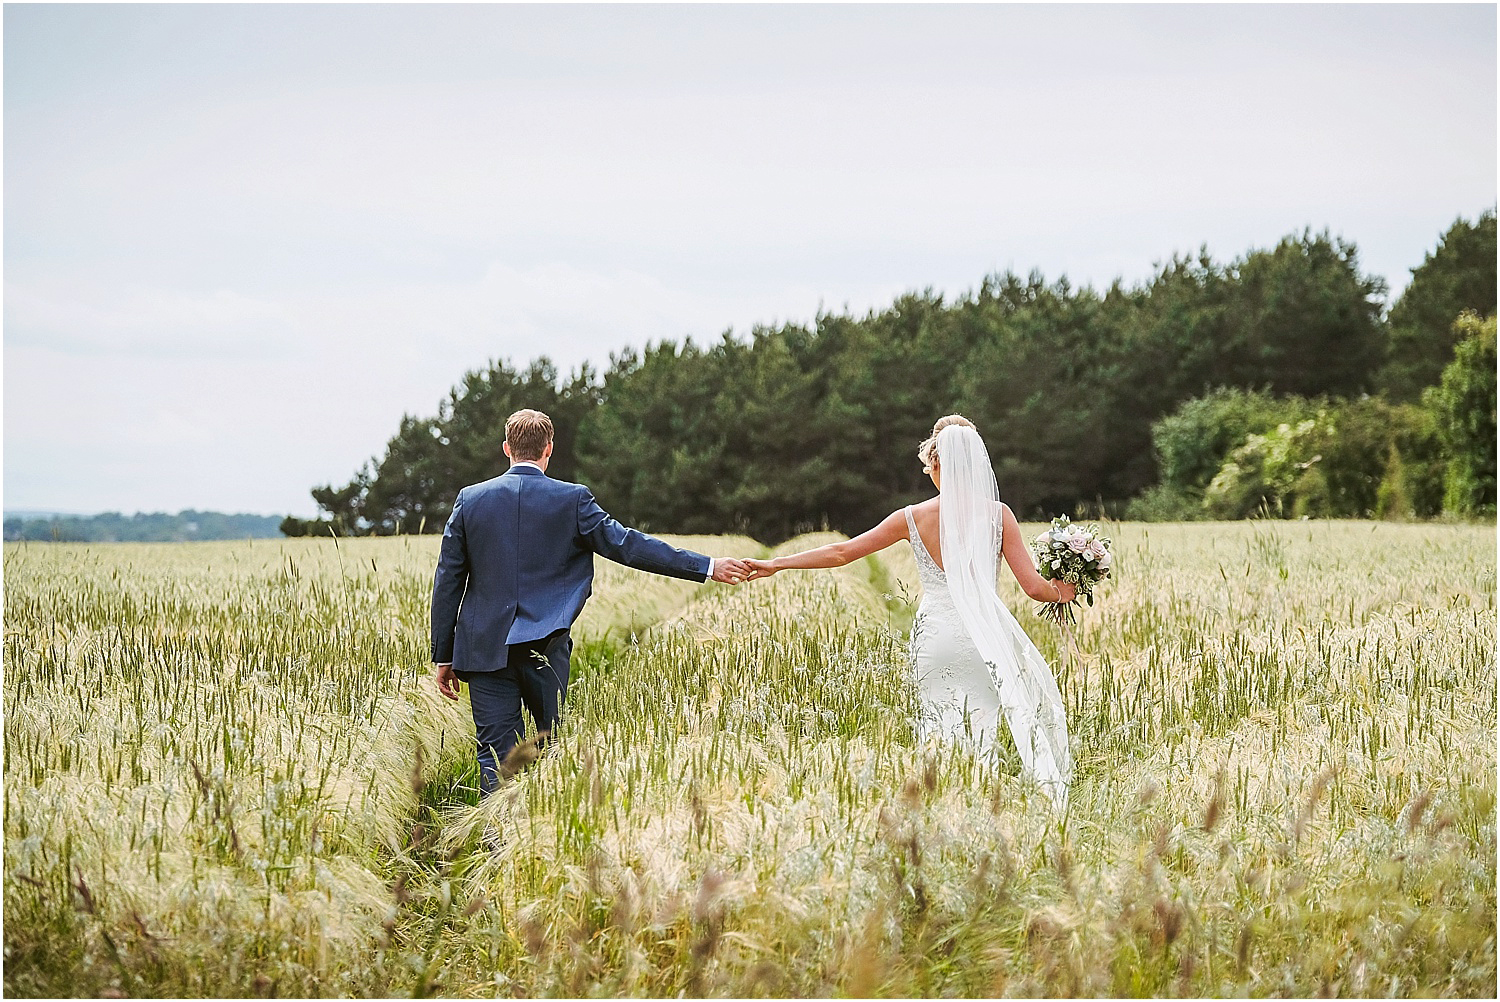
(536,677)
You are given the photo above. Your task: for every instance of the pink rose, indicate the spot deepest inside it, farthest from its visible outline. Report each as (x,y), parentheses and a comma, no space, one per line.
(1078,543)
(1105,561)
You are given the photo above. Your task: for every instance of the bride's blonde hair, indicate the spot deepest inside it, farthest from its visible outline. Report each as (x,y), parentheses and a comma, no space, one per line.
(927,451)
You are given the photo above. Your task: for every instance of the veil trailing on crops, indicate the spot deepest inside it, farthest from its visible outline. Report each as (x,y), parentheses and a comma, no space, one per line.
(969,528)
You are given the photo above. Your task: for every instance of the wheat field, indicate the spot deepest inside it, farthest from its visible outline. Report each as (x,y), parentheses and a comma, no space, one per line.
(227,773)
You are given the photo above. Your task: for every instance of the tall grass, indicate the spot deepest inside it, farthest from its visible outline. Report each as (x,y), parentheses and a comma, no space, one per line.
(227,773)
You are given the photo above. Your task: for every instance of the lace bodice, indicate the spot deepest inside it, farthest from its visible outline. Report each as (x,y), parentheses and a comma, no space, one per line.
(934,581)
(936,610)
(935,595)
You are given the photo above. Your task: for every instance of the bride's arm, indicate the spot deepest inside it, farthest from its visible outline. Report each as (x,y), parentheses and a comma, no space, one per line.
(891,529)
(1013,547)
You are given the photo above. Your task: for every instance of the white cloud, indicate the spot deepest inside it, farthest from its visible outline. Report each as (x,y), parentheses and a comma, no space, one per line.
(569,313)
(241,246)
(72,319)
(172,422)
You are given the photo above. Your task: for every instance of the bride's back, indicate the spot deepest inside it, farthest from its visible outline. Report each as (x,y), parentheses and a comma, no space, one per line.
(928,518)
(929,527)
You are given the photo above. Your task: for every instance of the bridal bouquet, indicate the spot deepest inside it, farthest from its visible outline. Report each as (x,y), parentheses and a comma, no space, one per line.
(1071,553)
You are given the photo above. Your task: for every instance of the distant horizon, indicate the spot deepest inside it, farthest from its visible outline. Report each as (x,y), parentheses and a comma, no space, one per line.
(44,513)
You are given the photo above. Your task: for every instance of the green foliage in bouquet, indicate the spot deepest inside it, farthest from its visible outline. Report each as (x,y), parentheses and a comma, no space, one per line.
(1080,556)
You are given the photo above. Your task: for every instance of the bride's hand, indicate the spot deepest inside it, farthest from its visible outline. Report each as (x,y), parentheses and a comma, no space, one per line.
(1065,591)
(759,569)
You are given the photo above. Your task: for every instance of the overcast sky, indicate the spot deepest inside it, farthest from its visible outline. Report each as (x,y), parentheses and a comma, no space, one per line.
(241,242)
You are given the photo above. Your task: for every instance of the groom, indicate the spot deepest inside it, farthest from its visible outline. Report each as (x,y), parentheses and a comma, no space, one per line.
(516,566)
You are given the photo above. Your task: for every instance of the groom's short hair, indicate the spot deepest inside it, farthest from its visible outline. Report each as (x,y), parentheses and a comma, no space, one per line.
(528,432)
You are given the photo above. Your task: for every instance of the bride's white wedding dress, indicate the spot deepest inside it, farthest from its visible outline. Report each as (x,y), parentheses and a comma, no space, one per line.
(959,699)
(974,663)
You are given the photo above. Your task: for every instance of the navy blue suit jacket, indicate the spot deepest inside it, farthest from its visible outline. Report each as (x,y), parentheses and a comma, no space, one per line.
(517,564)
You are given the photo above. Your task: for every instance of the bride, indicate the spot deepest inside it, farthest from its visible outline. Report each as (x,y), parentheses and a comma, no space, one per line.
(973,660)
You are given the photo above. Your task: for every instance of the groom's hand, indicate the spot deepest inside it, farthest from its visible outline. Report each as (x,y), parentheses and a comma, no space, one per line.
(447,681)
(729,570)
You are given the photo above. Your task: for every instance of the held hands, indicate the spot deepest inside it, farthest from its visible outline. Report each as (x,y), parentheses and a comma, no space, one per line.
(760,569)
(729,570)
(733,570)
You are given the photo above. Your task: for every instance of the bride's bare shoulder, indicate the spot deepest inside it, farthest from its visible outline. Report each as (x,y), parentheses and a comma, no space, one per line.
(925,514)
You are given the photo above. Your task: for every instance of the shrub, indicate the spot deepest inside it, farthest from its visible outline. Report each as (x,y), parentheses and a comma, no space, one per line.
(1192,442)
(1263,471)
(1165,503)
(1352,459)
(1463,406)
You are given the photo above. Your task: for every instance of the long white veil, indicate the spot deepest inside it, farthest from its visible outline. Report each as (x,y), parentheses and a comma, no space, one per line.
(969,528)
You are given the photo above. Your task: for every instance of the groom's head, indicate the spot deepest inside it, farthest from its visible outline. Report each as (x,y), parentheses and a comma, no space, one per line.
(528,437)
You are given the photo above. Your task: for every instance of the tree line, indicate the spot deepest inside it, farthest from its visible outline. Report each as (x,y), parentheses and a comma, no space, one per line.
(142,527)
(1130,400)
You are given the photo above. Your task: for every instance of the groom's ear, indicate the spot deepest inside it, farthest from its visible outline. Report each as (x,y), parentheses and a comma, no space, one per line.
(505,447)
